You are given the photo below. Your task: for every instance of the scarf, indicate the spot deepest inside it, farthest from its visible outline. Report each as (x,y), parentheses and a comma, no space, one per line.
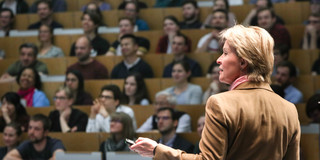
(238,81)
(27,95)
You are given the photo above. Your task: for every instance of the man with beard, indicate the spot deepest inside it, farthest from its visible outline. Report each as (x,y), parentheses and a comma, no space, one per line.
(167,122)
(89,67)
(44,11)
(27,58)
(39,145)
(190,12)
(210,41)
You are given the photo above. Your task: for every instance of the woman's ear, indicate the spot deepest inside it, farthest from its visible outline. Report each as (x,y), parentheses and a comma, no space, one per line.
(243,64)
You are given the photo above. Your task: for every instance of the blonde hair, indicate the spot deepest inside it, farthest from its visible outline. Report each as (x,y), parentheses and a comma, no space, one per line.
(254,45)
(69,93)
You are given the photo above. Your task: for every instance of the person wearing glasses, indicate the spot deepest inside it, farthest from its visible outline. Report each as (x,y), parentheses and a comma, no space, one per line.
(311,37)
(65,118)
(131,10)
(167,122)
(108,102)
(75,81)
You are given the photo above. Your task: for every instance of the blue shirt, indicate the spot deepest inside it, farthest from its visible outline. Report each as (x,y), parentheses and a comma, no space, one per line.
(39,99)
(293,95)
(142,25)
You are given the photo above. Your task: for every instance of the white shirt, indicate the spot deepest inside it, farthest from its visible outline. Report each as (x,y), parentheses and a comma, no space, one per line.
(213,45)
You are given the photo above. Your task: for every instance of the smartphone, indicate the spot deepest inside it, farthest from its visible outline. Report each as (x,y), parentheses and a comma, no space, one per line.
(130,142)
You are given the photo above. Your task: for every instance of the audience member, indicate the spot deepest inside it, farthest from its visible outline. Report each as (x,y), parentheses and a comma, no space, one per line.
(13,111)
(135,90)
(314,6)
(313,108)
(167,123)
(45,13)
(89,67)
(141,5)
(57,6)
(16,6)
(131,62)
(286,74)
(120,129)
(11,138)
(266,20)
(131,10)
(220,5)
(215,86)
(210,42)
(281,53)
(74,80)
(168,3)
(200,126)
(103,6)
(126,26)
(190,13)
(311,37)
(93,7)
(252,18)
(65,118)
(46,48)
(6,20)
(90,22)
(108,102)
(39,145)
(170,28)
(30,88)
(185,92)
(28,58)
(179,48)
(162,100)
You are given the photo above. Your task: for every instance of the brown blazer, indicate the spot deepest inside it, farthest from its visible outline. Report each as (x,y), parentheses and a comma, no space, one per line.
(250,122)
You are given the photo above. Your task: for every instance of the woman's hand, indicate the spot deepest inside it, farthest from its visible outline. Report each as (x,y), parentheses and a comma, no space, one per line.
(144,147)
(65,114)
(5,114)
(95,108)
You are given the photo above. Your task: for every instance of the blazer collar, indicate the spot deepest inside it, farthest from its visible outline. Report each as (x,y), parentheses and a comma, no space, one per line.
(251,85)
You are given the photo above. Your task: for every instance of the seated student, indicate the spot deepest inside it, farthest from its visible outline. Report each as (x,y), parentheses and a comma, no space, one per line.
(141,5)
(57,6)
(126,26)
(7,21)
(131,10)
(103,6)
(170,29)
(162,100)
(65,118)
(39,145)
(30,88)
(131,62)
(252,18)
(75,81)
(17,6)
(190,13)
(220,5)
(120,129)
(90,22)
(11,138)
(45,13)
(135,90)
(109,101)
(185,92)
(311,36)
(215,86)
(47,49)
(13,111)
(167,122)
(313,108)
(281,53)
(200,126)
(93,7)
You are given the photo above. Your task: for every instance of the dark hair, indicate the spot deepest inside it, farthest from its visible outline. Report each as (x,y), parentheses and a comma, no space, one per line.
(37,79)
(225,12)
(127,126)
(95,18)
(115,91)
(185,38)
(269,4)
(315,15)
(141,92)
(212,65)
(185,65)
(131,36)
(174,115)
(46,2)
(50,29)
(7,10)
(44,119)
(172,18)
(135,4)
(30,45)
(15,126)
(291,67)
(273,15)
(313,104)
(127,18)
(79,76)
(192,2)
(282,48)
(97,11)
(226,3)
(14,98)
(278,89)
